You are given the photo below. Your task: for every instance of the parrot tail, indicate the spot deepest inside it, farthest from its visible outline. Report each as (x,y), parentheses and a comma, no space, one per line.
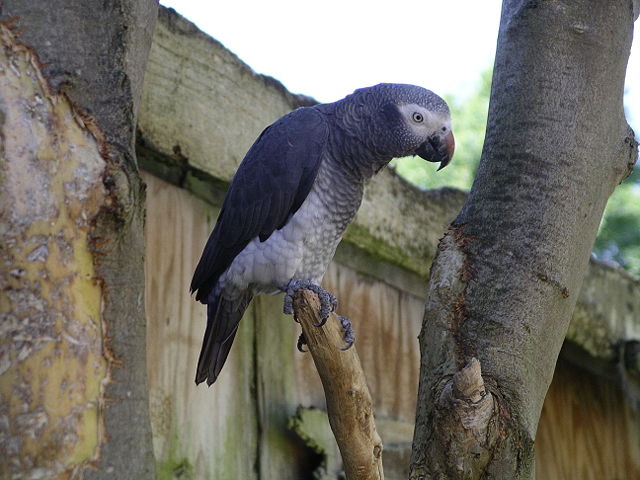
(223,317)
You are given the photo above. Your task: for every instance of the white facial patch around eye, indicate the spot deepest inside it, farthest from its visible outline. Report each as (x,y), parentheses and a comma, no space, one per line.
(422,120)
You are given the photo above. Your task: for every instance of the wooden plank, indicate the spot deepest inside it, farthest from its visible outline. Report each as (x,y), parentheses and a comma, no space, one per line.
(209,432)
(387,332)
(587,430)
(282,454)
(386,323)
(200,98)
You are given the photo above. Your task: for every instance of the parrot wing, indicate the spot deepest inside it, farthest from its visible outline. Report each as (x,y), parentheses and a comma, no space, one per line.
(270,185)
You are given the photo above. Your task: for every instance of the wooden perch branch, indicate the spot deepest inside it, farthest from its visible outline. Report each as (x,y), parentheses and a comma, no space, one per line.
(349,404)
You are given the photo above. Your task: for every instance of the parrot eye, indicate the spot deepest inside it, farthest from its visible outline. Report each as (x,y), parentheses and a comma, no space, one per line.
(417,117)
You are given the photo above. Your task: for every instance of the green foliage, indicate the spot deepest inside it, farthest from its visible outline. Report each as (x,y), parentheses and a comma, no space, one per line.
(619,237)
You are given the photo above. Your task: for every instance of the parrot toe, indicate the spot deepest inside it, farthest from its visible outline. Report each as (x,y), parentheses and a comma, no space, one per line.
(328,302)
(349,337)
(301,343)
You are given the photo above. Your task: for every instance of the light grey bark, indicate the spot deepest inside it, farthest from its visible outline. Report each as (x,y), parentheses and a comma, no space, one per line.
(95,53)
(506,276)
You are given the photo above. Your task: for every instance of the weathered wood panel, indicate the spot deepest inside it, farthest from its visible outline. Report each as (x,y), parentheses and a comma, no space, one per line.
(386,323)
(607,312)
(187,73)
(205,432)
(282,454)
(587,430)
(200,428)
(239,427)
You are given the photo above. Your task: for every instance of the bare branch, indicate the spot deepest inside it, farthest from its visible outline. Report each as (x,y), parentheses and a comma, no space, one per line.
(349,403)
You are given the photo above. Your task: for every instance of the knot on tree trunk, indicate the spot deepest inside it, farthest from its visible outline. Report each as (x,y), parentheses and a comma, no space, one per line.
(464,413)
(632,147)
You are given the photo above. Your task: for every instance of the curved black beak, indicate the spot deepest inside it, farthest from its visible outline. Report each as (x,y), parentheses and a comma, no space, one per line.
(438,149)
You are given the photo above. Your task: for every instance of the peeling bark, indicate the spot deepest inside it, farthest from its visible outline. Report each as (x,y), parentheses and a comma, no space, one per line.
(50,337)
(90,281)
(506,276)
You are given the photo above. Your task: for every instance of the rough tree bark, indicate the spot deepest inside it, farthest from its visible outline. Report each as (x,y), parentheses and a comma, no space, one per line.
(508,271)
(73,387)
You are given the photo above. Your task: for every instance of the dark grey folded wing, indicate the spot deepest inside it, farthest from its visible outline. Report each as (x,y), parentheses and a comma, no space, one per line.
(270,185)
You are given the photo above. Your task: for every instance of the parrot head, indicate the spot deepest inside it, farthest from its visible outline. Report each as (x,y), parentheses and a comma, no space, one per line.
(436,128)
(417,122)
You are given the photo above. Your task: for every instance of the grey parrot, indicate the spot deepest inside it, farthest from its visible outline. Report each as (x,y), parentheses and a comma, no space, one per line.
(295,192)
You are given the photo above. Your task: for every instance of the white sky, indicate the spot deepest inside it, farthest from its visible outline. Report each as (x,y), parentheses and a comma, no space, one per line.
(328,49)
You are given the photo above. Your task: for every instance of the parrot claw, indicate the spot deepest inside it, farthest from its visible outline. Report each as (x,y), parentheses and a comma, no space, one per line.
(328,301)
(321,322)
(349,337)
(301,343)
(328,304)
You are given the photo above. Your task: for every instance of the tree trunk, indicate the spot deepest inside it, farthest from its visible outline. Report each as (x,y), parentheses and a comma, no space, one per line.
(73,391)
(508,271)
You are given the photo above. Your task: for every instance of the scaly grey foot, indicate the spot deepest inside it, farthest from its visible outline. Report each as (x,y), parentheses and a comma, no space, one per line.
(349,337)
(328,302)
